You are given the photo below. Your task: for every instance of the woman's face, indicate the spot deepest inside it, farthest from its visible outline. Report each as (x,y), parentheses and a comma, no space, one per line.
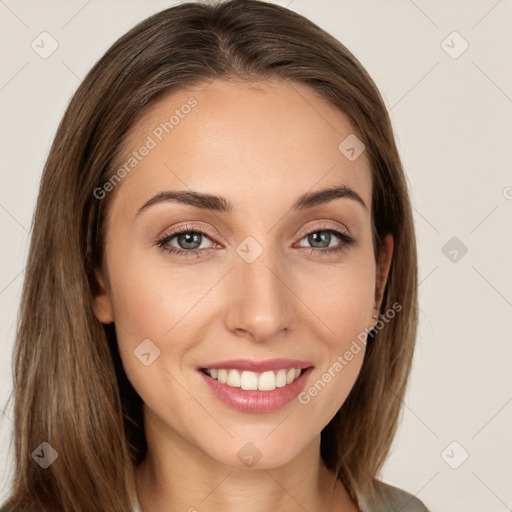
(266,281)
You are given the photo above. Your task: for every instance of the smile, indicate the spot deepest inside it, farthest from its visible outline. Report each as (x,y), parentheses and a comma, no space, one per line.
(256,386)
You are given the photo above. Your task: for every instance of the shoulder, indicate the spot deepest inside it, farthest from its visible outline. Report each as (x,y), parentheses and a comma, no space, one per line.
(388,498)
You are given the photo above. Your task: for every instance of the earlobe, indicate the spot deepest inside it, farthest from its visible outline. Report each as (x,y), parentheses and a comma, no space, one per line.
(383,267)
(102,305)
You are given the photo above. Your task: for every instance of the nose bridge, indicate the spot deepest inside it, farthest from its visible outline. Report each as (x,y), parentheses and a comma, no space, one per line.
(261,304)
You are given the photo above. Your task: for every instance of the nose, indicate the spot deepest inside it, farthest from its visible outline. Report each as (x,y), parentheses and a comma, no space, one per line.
(261,300)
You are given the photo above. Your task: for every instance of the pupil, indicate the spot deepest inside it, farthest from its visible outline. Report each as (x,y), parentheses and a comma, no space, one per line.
(324,236)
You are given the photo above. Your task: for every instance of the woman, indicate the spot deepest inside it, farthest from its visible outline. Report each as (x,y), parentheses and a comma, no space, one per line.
(220,306)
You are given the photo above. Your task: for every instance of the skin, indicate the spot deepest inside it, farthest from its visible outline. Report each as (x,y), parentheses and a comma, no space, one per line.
(261,146)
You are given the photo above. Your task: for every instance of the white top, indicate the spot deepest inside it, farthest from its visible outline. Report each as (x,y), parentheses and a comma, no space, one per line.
(390,499)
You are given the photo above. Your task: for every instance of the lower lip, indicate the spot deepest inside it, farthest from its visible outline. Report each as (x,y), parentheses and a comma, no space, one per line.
(255,400)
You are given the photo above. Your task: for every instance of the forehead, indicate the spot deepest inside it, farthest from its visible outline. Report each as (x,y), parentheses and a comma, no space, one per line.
(254,139)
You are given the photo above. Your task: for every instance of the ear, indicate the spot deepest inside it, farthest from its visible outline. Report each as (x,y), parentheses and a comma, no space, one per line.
(102,304)
(382,272)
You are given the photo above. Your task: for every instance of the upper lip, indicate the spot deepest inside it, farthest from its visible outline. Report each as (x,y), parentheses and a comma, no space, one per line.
(258,366)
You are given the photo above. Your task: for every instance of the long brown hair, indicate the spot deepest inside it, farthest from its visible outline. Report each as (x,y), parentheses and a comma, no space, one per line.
(69,386)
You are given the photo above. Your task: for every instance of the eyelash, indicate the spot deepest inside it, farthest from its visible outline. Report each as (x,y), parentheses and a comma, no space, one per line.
(346,240)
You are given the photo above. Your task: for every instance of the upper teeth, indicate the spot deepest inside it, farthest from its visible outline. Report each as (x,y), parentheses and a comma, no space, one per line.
(266,381)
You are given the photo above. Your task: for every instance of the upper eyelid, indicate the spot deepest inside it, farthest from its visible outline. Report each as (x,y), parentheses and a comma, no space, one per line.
(171,233)
(326,226)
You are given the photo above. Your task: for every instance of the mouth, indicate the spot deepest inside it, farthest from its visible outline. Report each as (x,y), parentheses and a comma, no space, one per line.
(256,386)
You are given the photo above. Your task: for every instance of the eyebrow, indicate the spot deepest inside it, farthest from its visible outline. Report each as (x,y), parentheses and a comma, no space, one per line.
(221,204)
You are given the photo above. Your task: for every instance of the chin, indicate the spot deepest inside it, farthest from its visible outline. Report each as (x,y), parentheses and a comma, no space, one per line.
(257,454)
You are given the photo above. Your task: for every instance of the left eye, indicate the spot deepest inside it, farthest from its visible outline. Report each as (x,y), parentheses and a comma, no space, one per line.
(322,237)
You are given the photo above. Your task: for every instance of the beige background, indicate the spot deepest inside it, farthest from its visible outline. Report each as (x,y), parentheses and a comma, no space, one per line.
(453,122)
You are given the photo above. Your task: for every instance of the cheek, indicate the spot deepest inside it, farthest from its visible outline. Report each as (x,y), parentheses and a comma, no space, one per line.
(150,298)
(341,296)
(162,310)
